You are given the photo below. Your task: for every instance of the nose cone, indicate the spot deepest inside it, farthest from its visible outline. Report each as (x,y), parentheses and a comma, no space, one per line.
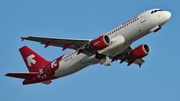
(167,15)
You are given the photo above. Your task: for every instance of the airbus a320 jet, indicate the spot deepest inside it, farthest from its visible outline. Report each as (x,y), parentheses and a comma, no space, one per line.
(109,47)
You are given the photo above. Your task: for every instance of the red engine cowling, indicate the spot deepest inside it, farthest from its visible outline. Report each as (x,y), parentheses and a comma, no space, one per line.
(140,51)
(100,43)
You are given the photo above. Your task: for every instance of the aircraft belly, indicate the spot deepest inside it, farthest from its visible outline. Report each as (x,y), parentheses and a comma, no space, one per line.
(118,50)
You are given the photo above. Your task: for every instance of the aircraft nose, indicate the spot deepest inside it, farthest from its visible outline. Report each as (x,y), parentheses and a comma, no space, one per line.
(167,15)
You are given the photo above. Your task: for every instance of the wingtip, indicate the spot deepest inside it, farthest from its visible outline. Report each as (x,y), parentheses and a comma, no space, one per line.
(140,65)
(22,38)
(45,46)
(7,74)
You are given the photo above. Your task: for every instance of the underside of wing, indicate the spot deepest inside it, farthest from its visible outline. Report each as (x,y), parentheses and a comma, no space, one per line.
(125,56)
(23,75)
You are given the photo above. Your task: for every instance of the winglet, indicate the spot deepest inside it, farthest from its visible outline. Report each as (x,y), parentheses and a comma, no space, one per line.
(140,65)
(22,38)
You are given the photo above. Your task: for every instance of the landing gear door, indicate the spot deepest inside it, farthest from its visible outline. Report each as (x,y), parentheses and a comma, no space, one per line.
(142,17)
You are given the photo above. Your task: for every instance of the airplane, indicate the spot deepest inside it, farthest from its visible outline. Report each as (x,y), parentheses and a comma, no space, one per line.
(109,47)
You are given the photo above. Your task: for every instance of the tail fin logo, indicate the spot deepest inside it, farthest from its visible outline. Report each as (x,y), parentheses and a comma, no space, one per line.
(30,60)
(54,64)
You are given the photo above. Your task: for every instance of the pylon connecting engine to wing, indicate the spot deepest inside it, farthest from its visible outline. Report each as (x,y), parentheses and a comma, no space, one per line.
(97,44)
(100,43)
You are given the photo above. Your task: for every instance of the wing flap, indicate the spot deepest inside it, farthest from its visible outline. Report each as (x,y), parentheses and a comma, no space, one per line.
(23,75)
(139,62)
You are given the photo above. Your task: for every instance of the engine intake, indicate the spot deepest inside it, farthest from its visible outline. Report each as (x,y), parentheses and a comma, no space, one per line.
(100,42)
(140,51)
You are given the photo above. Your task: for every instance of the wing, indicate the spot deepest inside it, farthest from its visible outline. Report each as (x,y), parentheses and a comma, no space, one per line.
(23,75)
(59,42)
(123,57)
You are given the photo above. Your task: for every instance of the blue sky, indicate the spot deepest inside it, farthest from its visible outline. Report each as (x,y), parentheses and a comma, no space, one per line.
(157,80)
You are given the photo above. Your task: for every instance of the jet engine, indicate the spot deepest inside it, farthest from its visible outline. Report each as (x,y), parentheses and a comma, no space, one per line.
(140,51)
(100,42)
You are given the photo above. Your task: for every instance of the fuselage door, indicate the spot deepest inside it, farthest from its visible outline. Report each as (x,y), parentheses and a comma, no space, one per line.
(143,19)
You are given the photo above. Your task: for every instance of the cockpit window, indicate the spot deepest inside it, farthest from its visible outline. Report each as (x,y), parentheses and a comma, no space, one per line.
(155,11)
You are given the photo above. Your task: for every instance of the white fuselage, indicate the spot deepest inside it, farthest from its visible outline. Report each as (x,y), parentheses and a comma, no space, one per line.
(122,37)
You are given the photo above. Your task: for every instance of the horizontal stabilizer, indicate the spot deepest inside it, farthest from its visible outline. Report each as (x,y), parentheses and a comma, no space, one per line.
(23,75)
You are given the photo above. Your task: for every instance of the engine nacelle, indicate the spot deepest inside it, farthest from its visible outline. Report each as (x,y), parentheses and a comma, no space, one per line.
(140,51)
(100,43)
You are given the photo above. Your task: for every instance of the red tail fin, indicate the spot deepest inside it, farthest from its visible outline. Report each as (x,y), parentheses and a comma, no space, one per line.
(32,60)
